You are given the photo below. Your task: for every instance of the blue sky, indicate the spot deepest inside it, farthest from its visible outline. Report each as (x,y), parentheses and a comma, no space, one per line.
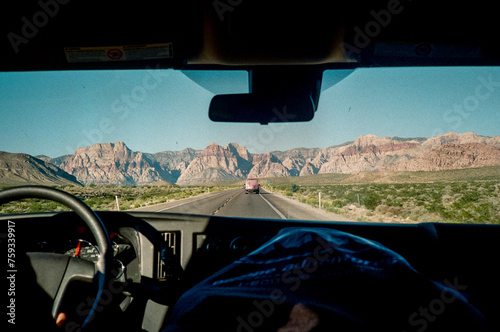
(53,113)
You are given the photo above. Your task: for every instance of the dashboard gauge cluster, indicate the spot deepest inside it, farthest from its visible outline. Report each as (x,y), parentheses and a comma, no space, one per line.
(82,249)
(86,250)
(123,252)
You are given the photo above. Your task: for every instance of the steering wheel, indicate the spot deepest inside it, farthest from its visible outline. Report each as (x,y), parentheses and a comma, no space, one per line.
(54,272)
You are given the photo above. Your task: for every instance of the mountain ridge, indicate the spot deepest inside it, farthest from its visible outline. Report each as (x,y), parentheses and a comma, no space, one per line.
(115,163)
(22,169)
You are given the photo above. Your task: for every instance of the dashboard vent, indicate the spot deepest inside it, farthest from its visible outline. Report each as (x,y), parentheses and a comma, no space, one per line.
(169,266)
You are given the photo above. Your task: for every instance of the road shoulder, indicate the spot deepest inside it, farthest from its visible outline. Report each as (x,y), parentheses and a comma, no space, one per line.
(293,209)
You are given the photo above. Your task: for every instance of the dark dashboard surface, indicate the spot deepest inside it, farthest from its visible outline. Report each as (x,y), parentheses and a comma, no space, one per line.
(163,255)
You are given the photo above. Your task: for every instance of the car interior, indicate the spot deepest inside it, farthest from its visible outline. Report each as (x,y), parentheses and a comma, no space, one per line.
(148,264)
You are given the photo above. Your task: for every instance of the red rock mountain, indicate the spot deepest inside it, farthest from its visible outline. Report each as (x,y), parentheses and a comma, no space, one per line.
(110,163)
(268,165)
(115,163)
(452,156)
(21,169)
(469,137)
(367,153)
(217,163)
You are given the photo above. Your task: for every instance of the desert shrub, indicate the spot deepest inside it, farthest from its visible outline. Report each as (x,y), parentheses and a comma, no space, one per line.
(417,212)
(145,196)
(372,200)
(446,199)
(124,207)
(35,206)
(389,210)
(334,210)
(485,212)
(467,198)
(99,202)
(313,201)
(338,203)
(430,217)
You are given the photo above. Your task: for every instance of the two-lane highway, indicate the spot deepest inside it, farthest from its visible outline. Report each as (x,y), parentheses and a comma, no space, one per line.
(251,206)
(202,204)
(237,203)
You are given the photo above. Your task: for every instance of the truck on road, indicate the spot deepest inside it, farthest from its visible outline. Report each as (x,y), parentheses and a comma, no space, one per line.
(252,186)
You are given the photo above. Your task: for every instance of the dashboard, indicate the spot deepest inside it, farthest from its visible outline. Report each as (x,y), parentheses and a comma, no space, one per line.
(66,234)
(159,256)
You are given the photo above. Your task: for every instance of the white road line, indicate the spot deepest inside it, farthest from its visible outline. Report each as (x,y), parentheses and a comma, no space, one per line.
(272,206)
(195,200)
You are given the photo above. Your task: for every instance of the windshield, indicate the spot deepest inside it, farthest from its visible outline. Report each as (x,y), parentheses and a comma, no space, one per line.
(396,145)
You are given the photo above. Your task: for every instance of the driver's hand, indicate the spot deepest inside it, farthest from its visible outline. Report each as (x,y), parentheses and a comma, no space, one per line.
(63,323)
(302,319)
(60,319)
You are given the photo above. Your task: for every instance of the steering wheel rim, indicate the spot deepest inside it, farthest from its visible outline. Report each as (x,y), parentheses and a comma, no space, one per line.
(102,266)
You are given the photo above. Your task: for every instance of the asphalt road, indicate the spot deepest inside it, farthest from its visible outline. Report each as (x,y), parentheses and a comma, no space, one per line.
(236,203)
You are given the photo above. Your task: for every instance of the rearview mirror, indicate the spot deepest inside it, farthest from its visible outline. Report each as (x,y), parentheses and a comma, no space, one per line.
(261,108)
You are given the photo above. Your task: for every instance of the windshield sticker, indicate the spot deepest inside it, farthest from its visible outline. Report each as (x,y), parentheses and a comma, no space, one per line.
(119,53)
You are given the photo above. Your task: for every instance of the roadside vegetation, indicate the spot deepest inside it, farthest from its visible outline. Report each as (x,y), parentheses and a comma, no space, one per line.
(473,199)
(461,196)
(103,198)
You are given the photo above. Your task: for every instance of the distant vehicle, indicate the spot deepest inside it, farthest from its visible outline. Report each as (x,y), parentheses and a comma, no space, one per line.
(252,185)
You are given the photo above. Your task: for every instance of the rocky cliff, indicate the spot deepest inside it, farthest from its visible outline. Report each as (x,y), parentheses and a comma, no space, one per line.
(451,156)
(115,163)
(112,163)
(21,169)
(217,163)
